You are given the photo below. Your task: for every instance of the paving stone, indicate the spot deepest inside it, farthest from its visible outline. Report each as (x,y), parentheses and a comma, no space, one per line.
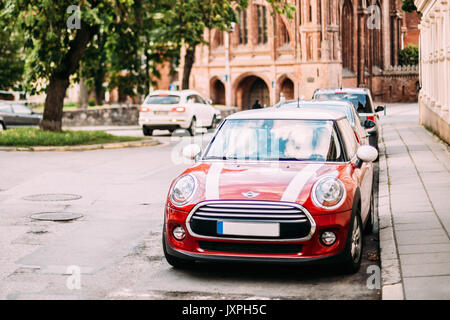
(428,288)
(420,258)
(424,248)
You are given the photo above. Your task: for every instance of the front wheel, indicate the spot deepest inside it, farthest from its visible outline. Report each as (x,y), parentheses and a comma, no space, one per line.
(354,247)
(2,127)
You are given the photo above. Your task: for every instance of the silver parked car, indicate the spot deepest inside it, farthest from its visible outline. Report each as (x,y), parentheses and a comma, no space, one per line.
(342,106)
(361,98)
(17,115)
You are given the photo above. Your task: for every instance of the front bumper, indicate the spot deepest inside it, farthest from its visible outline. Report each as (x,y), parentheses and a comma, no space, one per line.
(309,251)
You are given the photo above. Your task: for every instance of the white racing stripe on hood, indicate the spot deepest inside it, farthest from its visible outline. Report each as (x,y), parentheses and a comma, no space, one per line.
(212,181)
(298,182)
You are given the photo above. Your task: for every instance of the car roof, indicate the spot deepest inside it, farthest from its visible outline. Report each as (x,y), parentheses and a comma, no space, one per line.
(174,92)
(305,104)
(288,113)
(346,90)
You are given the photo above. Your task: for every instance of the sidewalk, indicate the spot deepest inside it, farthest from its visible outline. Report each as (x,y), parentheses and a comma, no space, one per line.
(414,208)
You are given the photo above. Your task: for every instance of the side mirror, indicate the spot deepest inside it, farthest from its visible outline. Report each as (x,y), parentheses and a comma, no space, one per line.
(367,153)
(369,124)
(192,151)
(379,109)
(209,101)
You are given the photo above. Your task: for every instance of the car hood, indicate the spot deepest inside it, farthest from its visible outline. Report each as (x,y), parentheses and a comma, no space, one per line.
(277,181)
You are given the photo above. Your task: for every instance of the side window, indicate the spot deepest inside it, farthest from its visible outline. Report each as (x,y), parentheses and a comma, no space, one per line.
(21,109)
(370,103)
(5,109)
(335,153)
(199,99)
(191,99)
(348,137)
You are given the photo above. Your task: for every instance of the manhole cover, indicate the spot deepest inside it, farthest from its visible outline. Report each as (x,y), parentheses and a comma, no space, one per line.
(52,197)
(56,216)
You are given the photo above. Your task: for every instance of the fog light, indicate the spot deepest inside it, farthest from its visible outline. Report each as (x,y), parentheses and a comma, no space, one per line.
(179,233)
(328,238)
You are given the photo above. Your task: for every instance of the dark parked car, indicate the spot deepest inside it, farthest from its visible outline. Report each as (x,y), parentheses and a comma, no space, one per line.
(362,100)
(17,115)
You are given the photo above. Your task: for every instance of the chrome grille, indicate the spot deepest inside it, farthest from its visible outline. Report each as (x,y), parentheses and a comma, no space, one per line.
(250,210)
(296,223)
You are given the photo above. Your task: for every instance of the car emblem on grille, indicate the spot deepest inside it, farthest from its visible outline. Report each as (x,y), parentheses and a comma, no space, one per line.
(250,194)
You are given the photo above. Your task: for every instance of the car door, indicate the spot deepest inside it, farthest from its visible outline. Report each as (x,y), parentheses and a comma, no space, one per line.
(205,111)
(365,173)
(24,116)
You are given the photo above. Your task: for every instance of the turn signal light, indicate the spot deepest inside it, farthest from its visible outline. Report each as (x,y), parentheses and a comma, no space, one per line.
(179,109)
(144,109)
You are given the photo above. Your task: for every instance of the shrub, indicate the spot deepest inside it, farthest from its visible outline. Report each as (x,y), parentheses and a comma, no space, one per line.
(409,56)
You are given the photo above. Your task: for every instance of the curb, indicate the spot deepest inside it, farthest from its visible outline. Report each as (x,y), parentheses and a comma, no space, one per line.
(391,279)
(121,145)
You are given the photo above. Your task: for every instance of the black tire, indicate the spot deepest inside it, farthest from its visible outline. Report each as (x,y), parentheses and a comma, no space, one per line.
(352,262)
(147,131)
(370,219)
(2,126)
(175,262)
(192,127)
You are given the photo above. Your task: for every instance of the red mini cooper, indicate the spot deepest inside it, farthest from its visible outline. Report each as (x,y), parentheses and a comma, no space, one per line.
(273,185)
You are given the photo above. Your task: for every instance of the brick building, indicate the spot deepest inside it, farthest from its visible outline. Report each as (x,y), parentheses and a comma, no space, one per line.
(328,43)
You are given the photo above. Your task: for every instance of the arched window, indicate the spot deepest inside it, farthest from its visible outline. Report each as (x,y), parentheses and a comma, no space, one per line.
(218,38)
(243,32)
(261,16)
(284,34)
(347,35)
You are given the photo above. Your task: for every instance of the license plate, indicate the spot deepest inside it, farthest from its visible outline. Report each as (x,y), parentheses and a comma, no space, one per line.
(252,229)
(162,112)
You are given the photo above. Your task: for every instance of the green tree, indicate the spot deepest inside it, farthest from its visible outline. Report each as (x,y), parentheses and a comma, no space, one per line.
(189,19)
(409,56)
(12,61)
(408,6)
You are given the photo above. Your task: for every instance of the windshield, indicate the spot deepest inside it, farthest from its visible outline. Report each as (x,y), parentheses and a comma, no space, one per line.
(360,101)
(282,140)
(167,99)
(347,111)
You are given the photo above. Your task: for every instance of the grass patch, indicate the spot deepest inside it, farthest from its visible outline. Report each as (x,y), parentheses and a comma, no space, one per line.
(31,137)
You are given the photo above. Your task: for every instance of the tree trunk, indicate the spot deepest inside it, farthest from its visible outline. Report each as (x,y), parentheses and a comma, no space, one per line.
(98,87)
(59,80)
(189,59)
(83,97)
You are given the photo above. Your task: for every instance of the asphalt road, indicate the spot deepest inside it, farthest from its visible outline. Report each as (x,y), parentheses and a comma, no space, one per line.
(117,243)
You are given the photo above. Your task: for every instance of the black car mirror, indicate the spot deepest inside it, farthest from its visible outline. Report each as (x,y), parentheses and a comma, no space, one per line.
(369,124)
(379,109)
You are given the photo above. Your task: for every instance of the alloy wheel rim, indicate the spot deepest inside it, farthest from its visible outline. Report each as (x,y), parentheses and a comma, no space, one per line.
(356,241)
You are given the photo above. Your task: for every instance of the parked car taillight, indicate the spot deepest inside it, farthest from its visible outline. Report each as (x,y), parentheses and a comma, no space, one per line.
(371,118)
(357,137)
(144,109)
(179,109)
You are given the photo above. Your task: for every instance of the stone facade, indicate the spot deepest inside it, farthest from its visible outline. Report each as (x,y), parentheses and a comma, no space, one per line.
(329,43)
(434,98)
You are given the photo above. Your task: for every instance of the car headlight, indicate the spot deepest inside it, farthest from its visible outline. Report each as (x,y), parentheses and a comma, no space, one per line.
(328,193)
(183,189)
